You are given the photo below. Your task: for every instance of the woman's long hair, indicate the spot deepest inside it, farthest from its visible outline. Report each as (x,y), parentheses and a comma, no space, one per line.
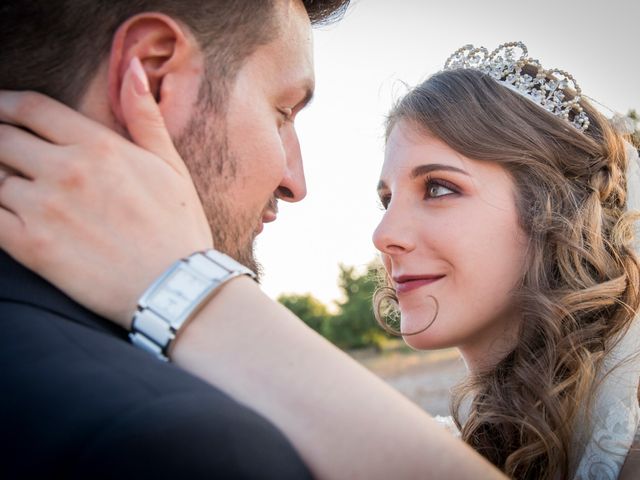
(580,289)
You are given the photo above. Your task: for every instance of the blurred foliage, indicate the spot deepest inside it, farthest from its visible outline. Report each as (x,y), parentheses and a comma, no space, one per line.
(309,309)
(353,325)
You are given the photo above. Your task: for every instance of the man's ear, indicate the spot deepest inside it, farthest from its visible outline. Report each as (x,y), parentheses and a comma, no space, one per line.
(169,55)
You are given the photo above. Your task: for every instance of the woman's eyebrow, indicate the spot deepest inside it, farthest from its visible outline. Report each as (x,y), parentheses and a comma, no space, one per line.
(421,170)
(425,169)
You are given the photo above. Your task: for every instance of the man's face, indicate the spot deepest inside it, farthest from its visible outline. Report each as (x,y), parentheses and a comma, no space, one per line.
(243,164)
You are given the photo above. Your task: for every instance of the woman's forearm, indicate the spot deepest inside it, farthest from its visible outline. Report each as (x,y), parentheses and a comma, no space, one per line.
(344,421)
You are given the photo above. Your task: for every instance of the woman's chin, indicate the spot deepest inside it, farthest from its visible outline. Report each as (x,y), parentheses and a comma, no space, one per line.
(426,340)
(423,341)
(420,332)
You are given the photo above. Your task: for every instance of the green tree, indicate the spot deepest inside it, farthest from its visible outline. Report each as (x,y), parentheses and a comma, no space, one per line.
(355,326)
(309,309)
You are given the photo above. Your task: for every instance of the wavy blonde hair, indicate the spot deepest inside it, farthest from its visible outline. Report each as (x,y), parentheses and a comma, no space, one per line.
(580,290)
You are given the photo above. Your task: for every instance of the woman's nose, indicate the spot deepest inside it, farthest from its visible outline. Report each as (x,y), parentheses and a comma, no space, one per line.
(395,233)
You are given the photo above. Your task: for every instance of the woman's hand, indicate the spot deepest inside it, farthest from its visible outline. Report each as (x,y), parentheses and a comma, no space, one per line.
(91,212)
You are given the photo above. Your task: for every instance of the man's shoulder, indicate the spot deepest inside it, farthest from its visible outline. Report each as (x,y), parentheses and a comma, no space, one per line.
(51,349)
(181,441)
(78,398)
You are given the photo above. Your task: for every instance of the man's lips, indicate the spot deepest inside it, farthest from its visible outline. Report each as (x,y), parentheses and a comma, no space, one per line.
(267,217)
(408,283)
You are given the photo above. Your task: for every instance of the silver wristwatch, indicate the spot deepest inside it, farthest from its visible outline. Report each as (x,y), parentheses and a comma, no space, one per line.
(177,295)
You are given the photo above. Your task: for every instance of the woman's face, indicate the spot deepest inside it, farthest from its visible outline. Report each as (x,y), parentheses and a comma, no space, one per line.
(451,231)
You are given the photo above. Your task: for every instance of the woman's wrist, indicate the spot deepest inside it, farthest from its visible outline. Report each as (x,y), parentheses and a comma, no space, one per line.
(217,309)
(175,297)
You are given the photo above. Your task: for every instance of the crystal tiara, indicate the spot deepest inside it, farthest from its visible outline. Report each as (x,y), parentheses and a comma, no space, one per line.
(554,90)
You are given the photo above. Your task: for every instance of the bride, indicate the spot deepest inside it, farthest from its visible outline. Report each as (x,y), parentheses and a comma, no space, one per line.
(511,218)
(506,234)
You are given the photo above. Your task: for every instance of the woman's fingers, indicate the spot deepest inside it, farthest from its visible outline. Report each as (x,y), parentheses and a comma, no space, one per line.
(15,193)
(88,210)
(5,172)
(46,117)
(25,153)
(11,229)
(56,123)
(143,118)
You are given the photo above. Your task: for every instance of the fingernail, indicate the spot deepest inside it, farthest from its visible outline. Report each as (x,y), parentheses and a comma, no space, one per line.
(140,80)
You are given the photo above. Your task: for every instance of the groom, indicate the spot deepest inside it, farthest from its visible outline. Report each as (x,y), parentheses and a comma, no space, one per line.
(229,77)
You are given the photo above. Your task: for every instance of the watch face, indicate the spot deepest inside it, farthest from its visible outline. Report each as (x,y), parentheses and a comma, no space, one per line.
(177,293)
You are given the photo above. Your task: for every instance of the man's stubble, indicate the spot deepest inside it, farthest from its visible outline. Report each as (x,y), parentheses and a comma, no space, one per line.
(204,147)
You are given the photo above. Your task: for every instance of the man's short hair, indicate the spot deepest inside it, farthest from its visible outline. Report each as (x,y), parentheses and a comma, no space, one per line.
(55,46)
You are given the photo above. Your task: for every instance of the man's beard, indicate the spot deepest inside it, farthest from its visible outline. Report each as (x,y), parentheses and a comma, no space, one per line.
(204,148)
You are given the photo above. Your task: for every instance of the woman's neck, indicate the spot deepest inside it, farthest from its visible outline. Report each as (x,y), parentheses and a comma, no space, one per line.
(487,349)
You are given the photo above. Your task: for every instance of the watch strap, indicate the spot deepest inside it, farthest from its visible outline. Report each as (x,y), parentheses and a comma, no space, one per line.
(177,295)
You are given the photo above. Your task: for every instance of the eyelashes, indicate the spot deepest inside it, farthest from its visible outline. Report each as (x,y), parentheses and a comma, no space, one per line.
(434,189)
(435,185)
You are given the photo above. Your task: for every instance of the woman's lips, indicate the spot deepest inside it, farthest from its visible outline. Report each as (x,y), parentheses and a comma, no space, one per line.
(407,284)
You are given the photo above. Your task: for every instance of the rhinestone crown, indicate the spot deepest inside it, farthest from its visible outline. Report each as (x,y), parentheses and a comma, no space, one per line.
(554,90)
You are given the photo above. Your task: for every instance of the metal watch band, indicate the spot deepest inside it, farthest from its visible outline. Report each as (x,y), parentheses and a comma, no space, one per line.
(177,295)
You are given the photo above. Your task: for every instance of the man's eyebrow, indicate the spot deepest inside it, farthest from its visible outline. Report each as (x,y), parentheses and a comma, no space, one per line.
(432,167)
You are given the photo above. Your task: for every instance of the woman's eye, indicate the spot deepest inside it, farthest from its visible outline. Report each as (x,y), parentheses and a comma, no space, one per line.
(436,189)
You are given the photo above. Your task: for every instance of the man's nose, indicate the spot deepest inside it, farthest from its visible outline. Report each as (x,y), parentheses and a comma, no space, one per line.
(395,234)
(293,186)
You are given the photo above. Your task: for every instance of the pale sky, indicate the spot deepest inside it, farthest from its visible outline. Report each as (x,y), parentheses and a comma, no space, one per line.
(361,64)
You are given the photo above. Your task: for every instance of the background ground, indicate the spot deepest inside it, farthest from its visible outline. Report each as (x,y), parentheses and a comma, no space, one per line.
(424,377)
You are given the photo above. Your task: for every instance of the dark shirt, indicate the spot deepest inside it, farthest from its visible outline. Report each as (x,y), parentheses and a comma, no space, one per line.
(78,401)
